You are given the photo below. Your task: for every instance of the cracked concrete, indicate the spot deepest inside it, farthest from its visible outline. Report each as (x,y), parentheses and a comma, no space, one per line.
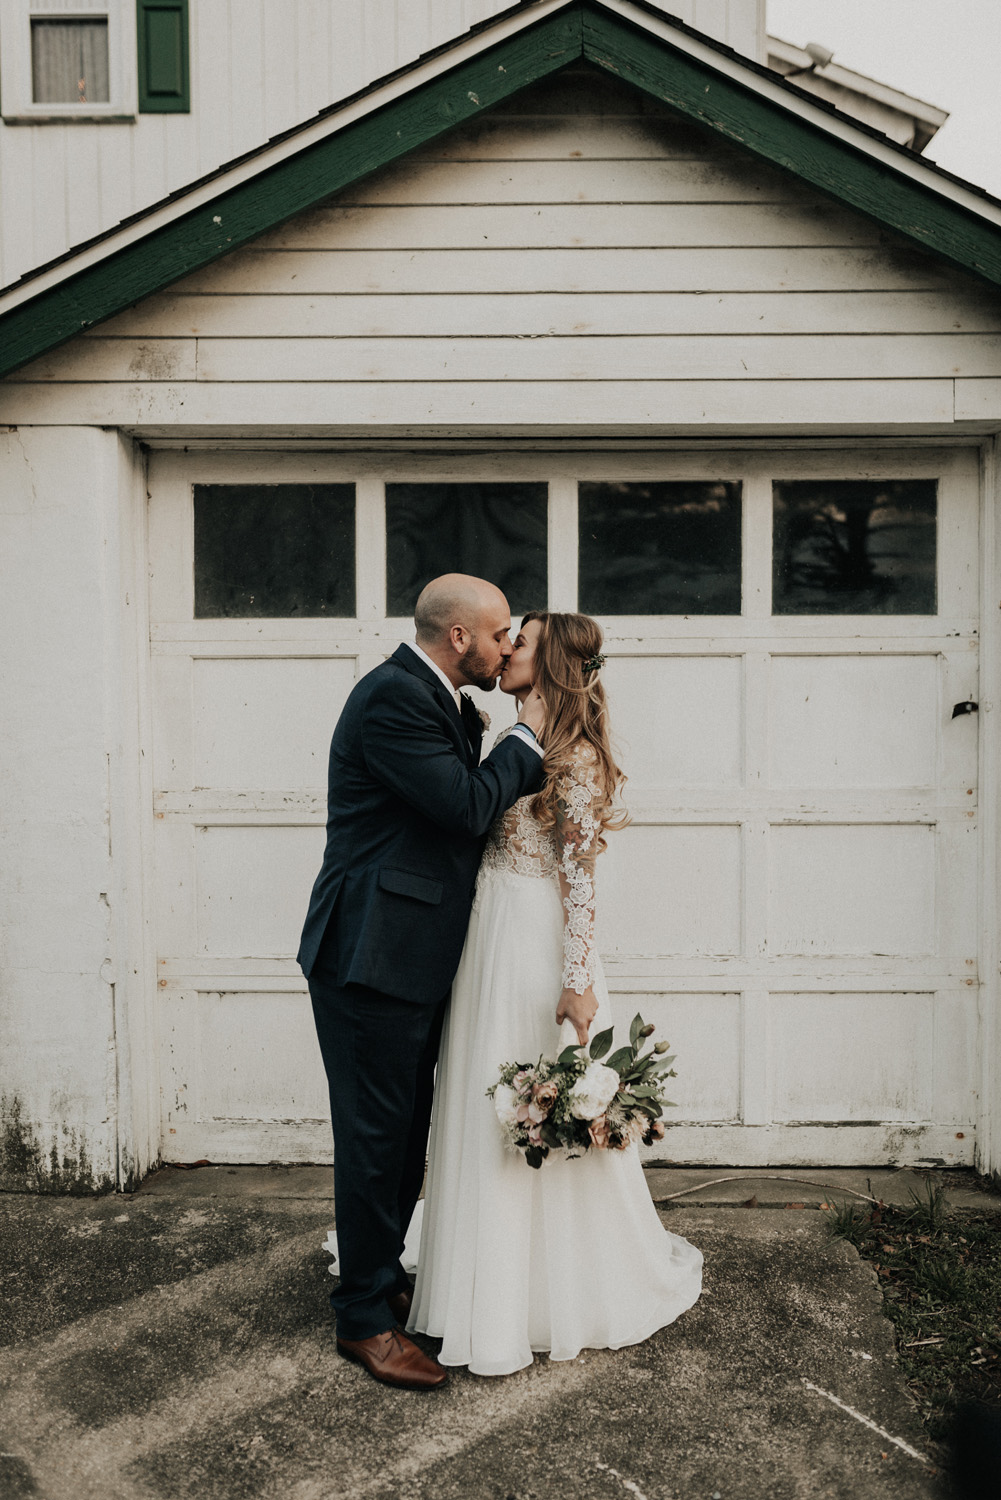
(178,1344)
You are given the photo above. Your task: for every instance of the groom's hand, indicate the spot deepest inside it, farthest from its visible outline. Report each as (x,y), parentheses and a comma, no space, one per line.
(533,713)
(579,1009)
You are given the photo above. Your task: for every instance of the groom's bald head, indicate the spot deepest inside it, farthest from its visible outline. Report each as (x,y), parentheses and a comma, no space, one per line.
(462,624)
(456,599)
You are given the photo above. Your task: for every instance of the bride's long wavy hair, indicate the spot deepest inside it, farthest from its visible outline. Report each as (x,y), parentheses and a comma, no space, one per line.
(576,710)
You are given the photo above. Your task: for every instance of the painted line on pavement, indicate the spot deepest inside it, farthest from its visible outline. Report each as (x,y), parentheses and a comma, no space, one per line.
(859,1417)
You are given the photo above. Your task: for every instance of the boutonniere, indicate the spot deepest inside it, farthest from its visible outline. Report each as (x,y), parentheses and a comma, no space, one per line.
(484,719)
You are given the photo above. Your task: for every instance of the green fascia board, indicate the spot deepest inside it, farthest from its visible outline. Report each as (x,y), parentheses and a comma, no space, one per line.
(784,139)
(240,214)
(693,88)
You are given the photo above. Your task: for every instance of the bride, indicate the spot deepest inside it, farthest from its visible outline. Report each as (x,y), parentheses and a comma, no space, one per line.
(573,1255)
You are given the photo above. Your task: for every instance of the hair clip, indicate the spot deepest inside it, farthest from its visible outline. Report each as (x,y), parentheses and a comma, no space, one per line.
(594,662)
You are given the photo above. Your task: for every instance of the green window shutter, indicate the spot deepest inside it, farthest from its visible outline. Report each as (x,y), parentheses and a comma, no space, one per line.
(162,37)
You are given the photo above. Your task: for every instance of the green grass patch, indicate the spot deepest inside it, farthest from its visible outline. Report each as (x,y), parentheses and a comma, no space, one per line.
(940,1271)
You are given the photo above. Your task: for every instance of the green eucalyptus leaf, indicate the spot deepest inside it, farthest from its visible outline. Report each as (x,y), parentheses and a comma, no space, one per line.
(567,1056)
(635,1029)
(620,1059)
(601,1043)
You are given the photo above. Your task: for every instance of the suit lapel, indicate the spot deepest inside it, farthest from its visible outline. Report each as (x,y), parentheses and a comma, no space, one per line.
(473,725)
(412,663)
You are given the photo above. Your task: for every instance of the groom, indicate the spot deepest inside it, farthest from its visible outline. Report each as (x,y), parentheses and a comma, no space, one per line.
(408,809)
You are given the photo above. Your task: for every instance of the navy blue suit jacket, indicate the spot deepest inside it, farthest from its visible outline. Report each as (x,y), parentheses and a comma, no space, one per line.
(408,810)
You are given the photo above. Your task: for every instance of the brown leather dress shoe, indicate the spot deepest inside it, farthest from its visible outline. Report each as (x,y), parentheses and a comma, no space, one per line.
(393,1359)
(400,1304)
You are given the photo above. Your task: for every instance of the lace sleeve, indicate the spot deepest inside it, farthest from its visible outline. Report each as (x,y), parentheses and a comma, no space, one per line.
(577,839)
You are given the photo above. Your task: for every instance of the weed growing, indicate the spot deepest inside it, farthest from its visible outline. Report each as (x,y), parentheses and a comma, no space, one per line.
(940,1271)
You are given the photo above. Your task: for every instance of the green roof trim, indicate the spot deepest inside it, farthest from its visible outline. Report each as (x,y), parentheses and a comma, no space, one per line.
(782,138)
(584,29)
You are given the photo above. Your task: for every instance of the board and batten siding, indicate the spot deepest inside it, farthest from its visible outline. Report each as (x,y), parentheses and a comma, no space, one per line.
(258,68)
(578,259)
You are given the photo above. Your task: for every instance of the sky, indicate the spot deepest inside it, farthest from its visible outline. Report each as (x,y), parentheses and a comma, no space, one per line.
(947,52)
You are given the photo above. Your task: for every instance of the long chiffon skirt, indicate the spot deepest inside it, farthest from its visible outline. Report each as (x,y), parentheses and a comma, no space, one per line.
(515,1260)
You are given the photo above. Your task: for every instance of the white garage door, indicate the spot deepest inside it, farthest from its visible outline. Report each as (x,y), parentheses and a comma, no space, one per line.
(789,633)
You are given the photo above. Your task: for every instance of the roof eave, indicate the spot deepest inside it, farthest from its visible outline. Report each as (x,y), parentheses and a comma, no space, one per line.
(699,79)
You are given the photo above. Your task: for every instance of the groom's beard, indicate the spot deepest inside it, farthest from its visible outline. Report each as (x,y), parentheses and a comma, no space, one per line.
(477,670)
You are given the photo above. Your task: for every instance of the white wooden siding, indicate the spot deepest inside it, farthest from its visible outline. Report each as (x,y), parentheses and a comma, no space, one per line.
(665,280)
(258,67)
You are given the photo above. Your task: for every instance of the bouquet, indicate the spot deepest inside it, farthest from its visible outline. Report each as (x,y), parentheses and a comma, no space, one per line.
(580,1102)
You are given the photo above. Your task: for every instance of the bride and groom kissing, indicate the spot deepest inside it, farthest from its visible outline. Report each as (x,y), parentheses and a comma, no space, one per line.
(452,926)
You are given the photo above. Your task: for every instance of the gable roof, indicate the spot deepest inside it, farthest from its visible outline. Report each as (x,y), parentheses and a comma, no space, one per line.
(701,79)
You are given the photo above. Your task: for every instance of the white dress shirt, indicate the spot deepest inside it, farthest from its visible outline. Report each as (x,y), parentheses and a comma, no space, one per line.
(521,730)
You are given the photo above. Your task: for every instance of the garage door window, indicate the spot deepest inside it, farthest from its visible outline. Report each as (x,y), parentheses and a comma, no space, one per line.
(854,547)
(664,548)
(274,550)
(496,531)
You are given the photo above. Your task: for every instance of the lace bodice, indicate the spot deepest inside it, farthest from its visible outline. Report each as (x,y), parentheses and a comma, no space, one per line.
(565,853)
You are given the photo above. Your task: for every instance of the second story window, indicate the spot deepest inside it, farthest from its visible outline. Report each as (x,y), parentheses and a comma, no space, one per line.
(93,60)
(69,61)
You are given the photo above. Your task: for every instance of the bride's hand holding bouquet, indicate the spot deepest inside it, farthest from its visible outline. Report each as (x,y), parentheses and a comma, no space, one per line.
(579,1010)
(579,1103)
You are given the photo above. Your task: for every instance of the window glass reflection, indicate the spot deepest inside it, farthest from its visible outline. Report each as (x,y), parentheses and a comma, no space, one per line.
(663,548)
(275,550)
(493,530)
(854,547)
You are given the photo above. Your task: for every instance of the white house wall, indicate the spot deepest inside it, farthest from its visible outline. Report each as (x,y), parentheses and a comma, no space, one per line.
(258,67)
(585,265)
(579,245)
(64,914)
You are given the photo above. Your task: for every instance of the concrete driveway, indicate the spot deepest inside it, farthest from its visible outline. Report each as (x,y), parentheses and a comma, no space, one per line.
(178,1343)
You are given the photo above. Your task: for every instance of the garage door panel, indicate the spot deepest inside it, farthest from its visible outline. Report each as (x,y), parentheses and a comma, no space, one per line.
(253,888)
(671,889)
(232,1055)
(955,1055)
(677,720)
(173,723)
(704,1033)
(852,1057)
(959,735)
(266,724)
(177,895)
(259,1058)
(845,889)
(855,721)
(956,880)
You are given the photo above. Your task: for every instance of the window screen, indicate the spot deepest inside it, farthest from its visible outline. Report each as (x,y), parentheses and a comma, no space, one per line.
(274,549)
(663,548)
(854,547)
(69,62)
(494,530)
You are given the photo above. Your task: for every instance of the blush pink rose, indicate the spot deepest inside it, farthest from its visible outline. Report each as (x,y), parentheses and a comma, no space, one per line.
(544,1095)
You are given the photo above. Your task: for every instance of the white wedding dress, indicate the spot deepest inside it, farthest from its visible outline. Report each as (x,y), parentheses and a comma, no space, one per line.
(571,1255)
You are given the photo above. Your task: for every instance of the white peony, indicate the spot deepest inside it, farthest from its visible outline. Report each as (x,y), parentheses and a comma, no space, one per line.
(506,1101)
(593,1092)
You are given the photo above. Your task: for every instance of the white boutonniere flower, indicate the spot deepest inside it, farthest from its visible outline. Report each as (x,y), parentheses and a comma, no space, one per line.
(484,719)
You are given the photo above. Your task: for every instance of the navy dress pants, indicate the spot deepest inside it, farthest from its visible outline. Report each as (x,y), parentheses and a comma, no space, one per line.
(379,1053)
